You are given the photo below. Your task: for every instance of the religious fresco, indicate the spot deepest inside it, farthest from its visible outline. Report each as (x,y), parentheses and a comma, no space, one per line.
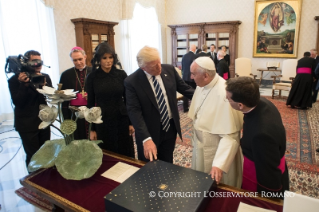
(276,28)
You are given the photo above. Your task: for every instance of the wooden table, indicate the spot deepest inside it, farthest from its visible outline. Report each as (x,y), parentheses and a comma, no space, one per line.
(49,181)
(262,72)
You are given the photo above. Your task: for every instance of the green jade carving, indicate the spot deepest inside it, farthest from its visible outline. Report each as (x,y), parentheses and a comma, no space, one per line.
(74,159)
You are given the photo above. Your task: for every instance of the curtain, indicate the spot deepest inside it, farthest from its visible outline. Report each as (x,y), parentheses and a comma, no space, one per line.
(25,25)
(143,29)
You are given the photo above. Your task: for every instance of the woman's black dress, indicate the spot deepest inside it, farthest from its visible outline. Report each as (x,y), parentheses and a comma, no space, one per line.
(227,59)
(301,90)
(106,90)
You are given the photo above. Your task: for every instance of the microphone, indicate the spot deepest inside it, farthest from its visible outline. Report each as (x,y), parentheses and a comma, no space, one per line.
(46,66)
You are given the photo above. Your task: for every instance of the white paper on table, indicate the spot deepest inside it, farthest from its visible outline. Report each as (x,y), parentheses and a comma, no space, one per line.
(248,208)
(120,172)
(297,202)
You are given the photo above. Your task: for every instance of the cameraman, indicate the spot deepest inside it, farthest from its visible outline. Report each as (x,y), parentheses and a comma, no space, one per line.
(27,100)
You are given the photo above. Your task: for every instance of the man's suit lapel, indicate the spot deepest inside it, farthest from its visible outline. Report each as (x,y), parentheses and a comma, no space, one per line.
(166,81)
(147,87)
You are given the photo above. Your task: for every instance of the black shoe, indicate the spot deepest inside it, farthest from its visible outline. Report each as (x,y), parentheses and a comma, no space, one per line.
(185,111)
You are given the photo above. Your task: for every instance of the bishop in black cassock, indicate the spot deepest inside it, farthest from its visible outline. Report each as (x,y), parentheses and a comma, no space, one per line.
(70,80)
(74,78)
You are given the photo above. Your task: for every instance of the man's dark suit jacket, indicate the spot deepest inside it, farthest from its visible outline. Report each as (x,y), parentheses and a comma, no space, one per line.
(27,101)
(202,54)
(187,60)
(316,64)
(222,68)
(317,75)
(142,105)
(215,58)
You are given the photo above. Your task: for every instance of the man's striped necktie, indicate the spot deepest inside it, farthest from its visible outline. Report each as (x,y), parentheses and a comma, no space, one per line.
(161,105)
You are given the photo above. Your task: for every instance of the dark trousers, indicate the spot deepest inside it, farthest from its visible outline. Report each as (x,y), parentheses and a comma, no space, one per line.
(314,91)
(32,141)
(166,146)
(185,99)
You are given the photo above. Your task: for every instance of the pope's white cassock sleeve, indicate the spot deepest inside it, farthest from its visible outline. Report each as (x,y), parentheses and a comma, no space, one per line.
(216,132)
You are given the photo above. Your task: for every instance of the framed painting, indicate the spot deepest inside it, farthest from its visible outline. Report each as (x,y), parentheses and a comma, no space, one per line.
(277,24)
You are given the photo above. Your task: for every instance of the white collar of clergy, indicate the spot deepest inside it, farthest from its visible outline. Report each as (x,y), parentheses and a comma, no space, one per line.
(82,68)
(212,83)
(249,110)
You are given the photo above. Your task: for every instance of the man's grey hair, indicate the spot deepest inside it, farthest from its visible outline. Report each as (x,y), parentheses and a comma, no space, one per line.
(204,47)
(77,50)
(314,51)
(221,53)
(147,54)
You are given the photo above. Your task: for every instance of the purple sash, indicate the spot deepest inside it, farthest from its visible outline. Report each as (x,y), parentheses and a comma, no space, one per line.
(304,70)
(79,101)
(225,76)
(249,174)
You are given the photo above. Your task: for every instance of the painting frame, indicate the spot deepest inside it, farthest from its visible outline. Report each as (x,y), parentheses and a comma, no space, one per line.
(276,28)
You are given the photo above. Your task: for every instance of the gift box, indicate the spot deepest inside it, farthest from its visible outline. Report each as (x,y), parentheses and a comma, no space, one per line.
(162,186)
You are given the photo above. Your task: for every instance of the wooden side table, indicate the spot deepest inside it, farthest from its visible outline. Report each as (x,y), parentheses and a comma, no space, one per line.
(262,72)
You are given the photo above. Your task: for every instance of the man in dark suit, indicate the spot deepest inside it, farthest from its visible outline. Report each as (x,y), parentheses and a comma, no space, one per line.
(222,66)
(187,60)
(213,54)
(152,105)
(27,100)
(203,53)
(314,55)
(74,78)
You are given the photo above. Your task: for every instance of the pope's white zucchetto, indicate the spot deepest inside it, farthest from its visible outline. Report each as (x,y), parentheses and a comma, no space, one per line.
(206,63)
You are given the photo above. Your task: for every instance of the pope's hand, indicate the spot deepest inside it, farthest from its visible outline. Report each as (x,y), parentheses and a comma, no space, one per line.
(216,173)
(150,150)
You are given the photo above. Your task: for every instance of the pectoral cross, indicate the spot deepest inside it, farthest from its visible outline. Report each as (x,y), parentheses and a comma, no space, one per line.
(83,94)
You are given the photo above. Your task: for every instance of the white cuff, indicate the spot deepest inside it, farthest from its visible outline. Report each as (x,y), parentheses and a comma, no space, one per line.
(146,139)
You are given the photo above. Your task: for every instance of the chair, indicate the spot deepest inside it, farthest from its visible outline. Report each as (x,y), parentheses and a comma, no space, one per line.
(243,68)
(287,76)
(297,202)
(178,95)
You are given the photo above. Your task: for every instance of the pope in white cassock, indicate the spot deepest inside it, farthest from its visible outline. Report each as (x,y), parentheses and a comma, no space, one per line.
(216,126)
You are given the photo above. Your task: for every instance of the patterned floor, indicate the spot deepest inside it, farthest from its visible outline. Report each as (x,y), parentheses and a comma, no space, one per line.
(302,140)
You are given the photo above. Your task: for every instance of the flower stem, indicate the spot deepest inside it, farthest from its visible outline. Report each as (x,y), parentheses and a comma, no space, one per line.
(58,130)
(60,111)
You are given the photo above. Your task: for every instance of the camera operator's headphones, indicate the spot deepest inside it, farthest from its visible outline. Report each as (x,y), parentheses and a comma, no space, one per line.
(34,63)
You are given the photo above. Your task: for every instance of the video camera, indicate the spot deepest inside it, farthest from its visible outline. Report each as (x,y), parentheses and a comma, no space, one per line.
(20,63)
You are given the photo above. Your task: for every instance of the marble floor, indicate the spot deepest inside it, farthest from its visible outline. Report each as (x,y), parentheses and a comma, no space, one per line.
(12,166)
(12,169)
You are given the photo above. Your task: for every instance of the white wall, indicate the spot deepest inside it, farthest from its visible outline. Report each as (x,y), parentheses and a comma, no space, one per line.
(65,10)
(109,10)
(190,11)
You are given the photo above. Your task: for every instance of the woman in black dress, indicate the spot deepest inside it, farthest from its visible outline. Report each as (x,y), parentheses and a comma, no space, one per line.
(105,88)
(301,90)
(226,56)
